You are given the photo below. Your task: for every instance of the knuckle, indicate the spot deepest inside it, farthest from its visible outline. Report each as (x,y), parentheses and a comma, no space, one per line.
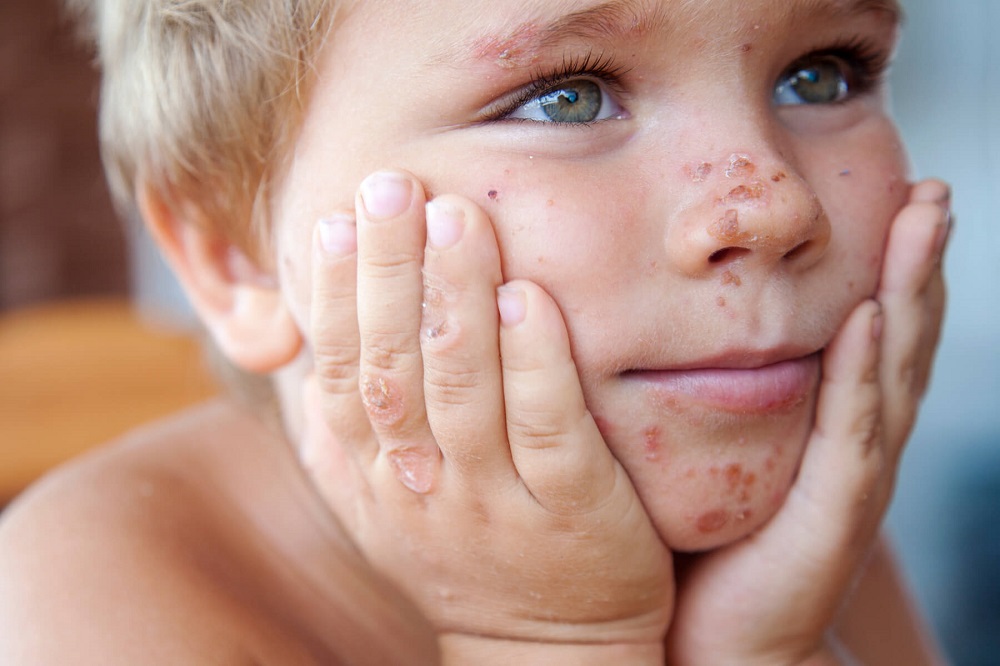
(333,357)
(335,379)
(540,427)
(455,386)
(390,263)
(385,350)
(867,429)
(383,400)
(534,434)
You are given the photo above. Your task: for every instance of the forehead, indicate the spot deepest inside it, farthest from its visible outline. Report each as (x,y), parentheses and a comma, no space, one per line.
(542,24)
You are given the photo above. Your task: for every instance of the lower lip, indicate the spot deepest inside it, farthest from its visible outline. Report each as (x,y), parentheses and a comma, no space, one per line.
(771,388)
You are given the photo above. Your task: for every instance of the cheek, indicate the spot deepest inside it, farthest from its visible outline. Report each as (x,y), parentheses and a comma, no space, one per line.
(565,229)
(862,183)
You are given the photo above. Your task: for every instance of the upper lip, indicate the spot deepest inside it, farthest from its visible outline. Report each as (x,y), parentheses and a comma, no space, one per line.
(737,359)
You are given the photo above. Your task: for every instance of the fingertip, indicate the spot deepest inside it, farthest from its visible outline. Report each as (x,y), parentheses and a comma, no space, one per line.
(877,321)
(445,223)
(857,342)
(386,194)
(512,304)
(932,191)
(337,234)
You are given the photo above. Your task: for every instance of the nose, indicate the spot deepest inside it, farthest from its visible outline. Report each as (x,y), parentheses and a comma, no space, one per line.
(747,210)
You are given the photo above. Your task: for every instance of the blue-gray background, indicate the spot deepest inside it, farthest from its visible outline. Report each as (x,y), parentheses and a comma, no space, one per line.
(946,516)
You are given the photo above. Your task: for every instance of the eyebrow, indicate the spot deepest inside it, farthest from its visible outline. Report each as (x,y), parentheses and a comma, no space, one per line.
(618,20)
(612,20)
(609,21)
(844,8)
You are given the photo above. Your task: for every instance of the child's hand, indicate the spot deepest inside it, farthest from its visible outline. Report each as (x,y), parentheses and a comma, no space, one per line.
(772,598)
(467,466)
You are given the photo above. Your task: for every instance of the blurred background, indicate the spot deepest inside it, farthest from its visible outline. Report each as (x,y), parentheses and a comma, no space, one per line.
(946,515)
(62,250)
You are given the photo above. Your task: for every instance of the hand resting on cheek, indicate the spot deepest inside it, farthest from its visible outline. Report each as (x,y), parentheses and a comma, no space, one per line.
(446,427)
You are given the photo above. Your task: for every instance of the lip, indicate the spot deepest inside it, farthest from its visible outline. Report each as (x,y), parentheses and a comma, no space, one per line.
(740,385)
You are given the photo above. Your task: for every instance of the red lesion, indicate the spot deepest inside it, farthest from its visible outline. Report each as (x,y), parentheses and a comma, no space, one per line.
(740,166)
(651,442)
(733,474)
(604,426)
(713,521)
(731,278)
(698,173)
(382,399)
(509,51)
(752,191)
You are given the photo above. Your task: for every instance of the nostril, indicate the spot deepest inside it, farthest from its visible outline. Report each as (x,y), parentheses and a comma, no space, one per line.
(798,250)
(727,254)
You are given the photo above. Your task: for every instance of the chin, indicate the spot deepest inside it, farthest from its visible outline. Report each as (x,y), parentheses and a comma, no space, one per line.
(713,482)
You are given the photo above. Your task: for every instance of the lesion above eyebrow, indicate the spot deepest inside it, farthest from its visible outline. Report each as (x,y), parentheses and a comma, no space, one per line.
(607,22)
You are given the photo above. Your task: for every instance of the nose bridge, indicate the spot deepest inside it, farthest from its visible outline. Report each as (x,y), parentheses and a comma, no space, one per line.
(748,204)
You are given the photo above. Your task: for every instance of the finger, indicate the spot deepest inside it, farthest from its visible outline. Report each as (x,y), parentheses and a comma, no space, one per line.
(826,523)
(335,471)
(912,295)
(459,337)
(844,457)
(334,330)
(391,236)
(555,444)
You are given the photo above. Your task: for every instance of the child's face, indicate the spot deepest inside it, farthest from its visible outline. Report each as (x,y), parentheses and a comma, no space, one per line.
(712,205)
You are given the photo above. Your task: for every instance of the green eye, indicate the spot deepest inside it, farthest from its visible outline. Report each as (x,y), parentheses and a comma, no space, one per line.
(818,81)
(578,101)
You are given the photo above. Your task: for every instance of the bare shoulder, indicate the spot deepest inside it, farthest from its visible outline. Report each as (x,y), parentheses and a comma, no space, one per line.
(196,541)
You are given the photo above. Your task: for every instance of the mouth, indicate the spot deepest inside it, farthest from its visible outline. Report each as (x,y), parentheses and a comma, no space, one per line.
(746,384)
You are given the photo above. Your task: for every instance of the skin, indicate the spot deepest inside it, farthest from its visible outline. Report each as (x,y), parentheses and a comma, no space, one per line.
(481,385)
(632,273)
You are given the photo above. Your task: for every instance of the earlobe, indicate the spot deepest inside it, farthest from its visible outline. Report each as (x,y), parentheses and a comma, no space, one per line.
(241,305)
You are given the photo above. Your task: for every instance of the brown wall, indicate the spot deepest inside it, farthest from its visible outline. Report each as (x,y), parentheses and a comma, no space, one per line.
(59,236)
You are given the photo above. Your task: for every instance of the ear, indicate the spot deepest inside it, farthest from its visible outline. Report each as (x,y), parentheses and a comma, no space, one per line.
(241,304)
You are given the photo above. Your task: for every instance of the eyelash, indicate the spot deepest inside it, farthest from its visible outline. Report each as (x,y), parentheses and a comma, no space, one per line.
(867,65)
(599,67)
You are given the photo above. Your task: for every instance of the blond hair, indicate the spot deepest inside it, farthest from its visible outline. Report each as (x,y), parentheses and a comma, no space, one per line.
(200,99)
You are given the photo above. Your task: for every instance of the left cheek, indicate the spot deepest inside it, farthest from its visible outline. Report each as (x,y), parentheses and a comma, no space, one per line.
(862,182)
(557,225)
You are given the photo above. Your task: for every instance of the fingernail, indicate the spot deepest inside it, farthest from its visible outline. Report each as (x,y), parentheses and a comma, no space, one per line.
(338,234)
(512,305)
(445,223)
(945,199)
(386,194)
(943,231)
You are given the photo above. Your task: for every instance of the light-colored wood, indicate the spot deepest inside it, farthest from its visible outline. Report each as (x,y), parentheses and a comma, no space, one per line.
(75,374)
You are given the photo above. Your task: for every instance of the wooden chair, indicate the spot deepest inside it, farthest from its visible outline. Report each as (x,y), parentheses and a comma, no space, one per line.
(75,374)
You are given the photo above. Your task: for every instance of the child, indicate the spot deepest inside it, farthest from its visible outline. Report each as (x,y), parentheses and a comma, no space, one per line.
(613,364)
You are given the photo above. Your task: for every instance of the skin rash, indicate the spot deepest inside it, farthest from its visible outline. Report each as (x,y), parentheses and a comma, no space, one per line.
(699,182)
